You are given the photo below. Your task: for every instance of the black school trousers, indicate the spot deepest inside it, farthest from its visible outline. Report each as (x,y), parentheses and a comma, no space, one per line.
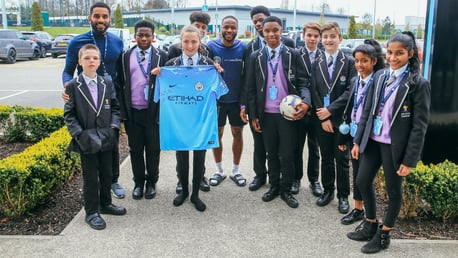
(280,136)
(375,155)
(96,180)
(335,164)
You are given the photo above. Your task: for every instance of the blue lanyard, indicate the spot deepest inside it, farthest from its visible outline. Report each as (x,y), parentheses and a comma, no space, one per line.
(104,52)
(145,73)
(358,102)
(385,98)
(269,60)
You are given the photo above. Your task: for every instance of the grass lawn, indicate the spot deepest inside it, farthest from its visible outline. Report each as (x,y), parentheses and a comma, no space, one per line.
(54,31)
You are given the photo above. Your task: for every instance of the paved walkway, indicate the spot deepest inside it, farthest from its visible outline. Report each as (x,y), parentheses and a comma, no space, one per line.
(236,224)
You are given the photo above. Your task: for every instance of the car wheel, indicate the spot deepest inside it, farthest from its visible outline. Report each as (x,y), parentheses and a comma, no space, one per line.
(54,55)
(11,57)
(36,54)
(43,52)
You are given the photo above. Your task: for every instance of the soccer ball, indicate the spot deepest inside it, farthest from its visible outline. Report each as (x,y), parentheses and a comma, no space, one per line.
(287,106)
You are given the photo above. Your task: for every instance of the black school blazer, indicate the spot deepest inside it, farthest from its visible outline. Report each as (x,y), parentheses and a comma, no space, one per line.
(410,118)
(91,126)
(123,87)
(256,79)
(344,71)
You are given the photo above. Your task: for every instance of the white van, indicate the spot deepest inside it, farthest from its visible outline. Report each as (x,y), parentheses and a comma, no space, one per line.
(124,34)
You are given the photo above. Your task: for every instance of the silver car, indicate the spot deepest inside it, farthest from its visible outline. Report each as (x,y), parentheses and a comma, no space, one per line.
(14,45)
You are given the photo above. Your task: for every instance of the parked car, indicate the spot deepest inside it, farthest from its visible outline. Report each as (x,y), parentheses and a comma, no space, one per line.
(296,36)
(351,43)
(14,45)
(155,42)
(59,47)
(124,34)
(43,40)
(168,41)
(347,51)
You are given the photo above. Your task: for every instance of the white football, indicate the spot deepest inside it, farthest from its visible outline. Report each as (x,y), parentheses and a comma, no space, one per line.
(287,106)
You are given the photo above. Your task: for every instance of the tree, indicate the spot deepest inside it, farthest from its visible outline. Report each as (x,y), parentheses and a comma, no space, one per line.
(118,21)
(37,19)
(386,29)
(407,27)
(352,28)
(321,18)
(324,8)
(367,23)
(378,30)
(419,31)
(156,4)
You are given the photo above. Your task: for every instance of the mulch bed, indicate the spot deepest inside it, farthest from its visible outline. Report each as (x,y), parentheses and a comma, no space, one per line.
(52,217)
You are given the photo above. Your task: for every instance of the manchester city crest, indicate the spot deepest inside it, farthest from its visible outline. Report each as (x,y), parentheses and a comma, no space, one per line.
(199,86)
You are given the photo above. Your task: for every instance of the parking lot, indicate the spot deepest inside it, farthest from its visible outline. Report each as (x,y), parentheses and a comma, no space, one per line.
(35,83)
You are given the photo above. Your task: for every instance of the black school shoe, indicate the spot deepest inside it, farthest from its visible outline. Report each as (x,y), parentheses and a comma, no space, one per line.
(352,217)
(113,210)
(95,221)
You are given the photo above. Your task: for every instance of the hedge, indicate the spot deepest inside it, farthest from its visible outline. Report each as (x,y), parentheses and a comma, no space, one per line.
(27,179)
(429,190)
(21,124)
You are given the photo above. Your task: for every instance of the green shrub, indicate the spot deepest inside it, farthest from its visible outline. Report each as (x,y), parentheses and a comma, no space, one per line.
(32,124)
(429,190)
(5,112)
(438,186)
(27,179)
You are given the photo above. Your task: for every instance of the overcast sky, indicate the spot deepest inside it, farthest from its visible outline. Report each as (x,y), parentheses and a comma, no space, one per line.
(395,9)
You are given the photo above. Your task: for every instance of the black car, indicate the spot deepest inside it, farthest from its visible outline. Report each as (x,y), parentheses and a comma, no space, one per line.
(43,40)
(59,47)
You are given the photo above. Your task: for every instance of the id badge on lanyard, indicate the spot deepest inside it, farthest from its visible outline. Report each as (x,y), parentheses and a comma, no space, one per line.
(273,92)
(326,100)
(146,92)
(353,128)
(378,123)
(107,76)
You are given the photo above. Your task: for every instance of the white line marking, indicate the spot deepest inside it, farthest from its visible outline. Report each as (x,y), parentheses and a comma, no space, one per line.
(32,90)
(15,94)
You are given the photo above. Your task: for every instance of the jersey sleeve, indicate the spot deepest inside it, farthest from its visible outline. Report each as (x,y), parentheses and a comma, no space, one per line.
(221,86)
(157,89)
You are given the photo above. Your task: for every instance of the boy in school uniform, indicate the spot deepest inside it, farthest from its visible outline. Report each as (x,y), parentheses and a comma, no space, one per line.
(277,72)
(257,15)
(330,90)
(310,53)
(92,118)
(138,111)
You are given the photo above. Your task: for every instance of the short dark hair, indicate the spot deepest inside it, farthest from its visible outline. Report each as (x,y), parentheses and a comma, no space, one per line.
(259,9)
(144,24)
(102,5)
(272,19)
(199,16)
(230,17)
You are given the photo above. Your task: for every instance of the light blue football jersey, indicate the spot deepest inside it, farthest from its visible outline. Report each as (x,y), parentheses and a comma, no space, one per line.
(188,117)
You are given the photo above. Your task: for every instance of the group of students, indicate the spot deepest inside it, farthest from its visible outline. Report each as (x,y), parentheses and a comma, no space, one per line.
(348,103)
(381,114)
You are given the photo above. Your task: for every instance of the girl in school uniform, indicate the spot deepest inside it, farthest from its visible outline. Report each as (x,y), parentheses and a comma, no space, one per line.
(190,41)
(390,134)
(368,60)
